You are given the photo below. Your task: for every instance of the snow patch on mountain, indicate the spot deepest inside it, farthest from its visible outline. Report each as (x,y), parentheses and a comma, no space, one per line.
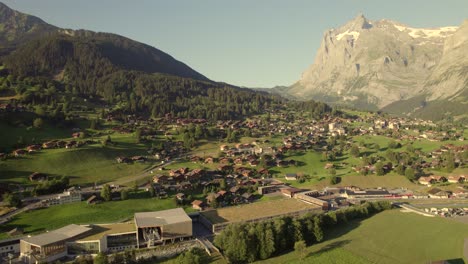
(427,33)
(355,35)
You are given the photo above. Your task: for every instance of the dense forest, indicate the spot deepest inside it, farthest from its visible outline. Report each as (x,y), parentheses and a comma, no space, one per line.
(52,69)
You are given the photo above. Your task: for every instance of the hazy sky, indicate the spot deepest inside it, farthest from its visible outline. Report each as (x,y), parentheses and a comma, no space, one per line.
(254,43)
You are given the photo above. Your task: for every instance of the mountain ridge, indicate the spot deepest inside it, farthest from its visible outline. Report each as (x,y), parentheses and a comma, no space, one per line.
(371,64)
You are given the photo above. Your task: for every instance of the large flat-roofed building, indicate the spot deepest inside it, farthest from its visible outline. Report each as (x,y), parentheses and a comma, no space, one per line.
(161,226)
(50,246)
(105,238)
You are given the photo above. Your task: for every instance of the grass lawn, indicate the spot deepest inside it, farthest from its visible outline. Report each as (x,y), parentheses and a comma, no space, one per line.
(87,164)
(307,162)
(82,213)
(11,134)
(388,237)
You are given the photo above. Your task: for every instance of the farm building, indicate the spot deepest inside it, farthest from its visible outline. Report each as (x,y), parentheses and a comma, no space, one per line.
(161,226)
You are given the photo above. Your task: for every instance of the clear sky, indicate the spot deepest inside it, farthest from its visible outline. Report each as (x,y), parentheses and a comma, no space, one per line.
(253,43)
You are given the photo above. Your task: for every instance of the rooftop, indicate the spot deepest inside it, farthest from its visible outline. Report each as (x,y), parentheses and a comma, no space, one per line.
(159,218)
(256,210)
(57,235)
(99,231)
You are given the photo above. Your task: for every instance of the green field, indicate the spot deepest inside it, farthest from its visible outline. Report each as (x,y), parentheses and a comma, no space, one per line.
(83,213)
(87,164)
(388,237)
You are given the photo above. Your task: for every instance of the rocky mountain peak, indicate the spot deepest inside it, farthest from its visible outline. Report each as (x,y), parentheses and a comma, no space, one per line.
(371,64)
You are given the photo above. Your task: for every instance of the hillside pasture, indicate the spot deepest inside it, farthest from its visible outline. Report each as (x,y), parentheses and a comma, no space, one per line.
(388,237)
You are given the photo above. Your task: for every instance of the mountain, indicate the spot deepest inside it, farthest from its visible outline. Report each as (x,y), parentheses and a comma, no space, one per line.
(375,64)
(16,28)
(47,65)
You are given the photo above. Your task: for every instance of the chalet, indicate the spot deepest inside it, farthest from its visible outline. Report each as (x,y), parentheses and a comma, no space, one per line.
(37,176)
(19,152)
(222,193)
(225,161)
(49,144)
(209,160)
(431,179)
(224,147)
(254,163)
(161,179)
(180,196)
(122,160)
(17,231)
(93,200)
(291,176)
(195,159)
(185,185)
(460,193)
(224,168)
(76,135)
(198,205)
(263,171)
(328,166)
(248,197)
(138,159)
(456,179)
(426,180)
(438,193)
(282,163)
(235,190)
(33,148)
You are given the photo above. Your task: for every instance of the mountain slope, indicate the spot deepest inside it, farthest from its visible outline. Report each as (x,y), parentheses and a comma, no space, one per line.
(16,27)
(372,64)
(56,52)
(31,37)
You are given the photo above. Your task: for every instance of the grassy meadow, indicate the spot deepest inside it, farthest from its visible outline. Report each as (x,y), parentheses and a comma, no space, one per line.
(84,165)
(388,237)
(82,213)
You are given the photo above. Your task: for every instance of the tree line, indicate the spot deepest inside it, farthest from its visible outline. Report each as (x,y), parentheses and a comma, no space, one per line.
(248,242)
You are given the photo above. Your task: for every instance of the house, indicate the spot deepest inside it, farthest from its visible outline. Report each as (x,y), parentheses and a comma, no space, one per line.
(93,200)
(122,160)
(235,189)
(198,205)
(37,176)
(426,180)
(180,196)
(19,152)
(248,197)
(138,159)
(456,179)
(438,193)
(291,176)
(49,144)
(33,148)
(161,179)
(16,231)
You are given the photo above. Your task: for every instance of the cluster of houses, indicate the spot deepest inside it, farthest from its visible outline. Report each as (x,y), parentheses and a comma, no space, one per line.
(429,180)
(447,212)
(46,145)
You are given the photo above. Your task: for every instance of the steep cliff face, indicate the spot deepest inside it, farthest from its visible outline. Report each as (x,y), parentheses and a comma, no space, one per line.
(371,64)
